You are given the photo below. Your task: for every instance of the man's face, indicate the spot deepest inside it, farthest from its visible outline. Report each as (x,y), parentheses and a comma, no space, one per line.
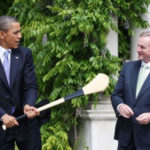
(143,49)
(12,37)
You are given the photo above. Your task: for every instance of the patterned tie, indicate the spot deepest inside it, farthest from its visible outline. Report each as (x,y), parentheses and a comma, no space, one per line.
(6,65)
(141,78)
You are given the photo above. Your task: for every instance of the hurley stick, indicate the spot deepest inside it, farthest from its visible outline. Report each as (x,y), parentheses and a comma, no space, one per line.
(98,84)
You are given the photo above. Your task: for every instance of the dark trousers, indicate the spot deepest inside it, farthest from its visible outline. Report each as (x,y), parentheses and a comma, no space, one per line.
(26,136)
(130,146)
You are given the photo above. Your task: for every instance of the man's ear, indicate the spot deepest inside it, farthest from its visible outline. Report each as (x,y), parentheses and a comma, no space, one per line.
(2,35)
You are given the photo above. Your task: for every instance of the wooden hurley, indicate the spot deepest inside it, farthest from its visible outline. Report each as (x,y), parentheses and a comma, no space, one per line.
(98,84)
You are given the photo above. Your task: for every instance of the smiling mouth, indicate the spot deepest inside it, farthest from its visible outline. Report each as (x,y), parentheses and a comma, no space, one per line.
(17,42)
(140,54)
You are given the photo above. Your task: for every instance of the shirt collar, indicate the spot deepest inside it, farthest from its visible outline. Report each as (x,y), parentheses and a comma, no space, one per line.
(147,64)
(2,51)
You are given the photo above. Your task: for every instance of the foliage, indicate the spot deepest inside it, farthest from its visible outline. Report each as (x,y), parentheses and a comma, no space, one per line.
(56,137)
(4,5)
(68,39)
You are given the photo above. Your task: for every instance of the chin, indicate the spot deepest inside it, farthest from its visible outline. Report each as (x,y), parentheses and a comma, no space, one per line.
(140,57)
(15,46)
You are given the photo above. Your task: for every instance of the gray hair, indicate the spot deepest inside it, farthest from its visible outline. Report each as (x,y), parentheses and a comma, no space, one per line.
(5,22)
(145,34)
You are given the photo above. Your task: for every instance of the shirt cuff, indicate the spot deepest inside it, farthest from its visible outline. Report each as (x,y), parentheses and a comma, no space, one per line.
(118,108)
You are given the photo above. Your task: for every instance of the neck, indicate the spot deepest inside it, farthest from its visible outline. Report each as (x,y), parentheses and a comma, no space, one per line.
(4,46)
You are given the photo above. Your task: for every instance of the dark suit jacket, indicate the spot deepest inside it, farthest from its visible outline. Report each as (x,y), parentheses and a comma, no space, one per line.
(125,93)
(23,87)
(22,90)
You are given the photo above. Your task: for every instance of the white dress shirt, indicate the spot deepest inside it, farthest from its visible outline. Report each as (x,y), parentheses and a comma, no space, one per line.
(2,51)
(148,68)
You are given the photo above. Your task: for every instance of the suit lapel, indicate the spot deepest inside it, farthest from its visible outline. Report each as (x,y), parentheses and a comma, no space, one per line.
(14,65)
(145,86)
(134,77)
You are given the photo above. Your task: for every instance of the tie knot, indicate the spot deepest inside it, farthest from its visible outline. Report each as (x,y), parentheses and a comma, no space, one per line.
(145,66)
(6,53)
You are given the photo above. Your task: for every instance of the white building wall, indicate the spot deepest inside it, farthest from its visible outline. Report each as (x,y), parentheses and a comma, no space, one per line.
(97,125)
(112,40)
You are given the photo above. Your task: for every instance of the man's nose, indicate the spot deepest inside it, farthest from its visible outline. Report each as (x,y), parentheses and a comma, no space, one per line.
(19,35)
(138,49)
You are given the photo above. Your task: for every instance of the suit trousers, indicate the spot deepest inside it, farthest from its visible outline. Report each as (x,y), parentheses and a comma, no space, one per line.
(26,136)
(131,145)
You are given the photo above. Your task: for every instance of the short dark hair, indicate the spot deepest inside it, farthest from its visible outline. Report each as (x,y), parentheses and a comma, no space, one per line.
(5,22)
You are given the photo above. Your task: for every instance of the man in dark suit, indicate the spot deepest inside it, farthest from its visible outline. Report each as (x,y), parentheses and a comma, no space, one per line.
(131,100)
(18,90)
